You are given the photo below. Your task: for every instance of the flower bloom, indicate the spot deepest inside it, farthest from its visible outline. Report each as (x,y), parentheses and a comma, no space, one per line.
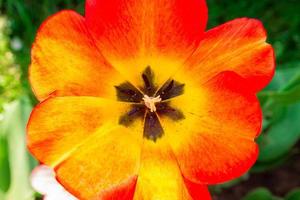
(138,101)
(43,181)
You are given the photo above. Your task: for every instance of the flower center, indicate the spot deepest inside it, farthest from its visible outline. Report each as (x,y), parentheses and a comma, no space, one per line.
(149,103)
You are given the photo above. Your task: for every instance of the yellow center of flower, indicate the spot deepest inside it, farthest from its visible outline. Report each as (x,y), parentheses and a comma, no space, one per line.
(151,101)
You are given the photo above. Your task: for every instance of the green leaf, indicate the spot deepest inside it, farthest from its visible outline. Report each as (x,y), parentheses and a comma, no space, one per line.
(283,97)
(4,164)
(259,194)
(273,116)
(284,76)
(261,166)
(283,90)
(295,81)
(293,195)
(281,115)
(281,136)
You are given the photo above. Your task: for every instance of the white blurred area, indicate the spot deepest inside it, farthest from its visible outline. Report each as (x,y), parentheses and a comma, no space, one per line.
(44,182)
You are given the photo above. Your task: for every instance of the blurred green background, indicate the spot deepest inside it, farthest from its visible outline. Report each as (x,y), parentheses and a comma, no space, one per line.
(275,176)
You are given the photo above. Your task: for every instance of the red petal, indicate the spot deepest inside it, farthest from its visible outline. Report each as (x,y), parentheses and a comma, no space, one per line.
(132,34)
(239,46)
(197,191)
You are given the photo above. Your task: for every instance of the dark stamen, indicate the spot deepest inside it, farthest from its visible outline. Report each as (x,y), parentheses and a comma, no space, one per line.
(170,86)
(147,82)
(148,78)
(128,118)
(170,90)
(152,127)
(167,110)
(128,93)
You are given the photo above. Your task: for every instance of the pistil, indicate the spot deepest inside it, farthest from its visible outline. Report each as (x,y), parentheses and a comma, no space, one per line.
(151,101)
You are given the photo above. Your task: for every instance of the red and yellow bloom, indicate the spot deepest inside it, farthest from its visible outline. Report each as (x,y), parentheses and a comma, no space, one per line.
(139,102)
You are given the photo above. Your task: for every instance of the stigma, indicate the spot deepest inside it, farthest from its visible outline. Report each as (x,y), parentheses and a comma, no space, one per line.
(151,101)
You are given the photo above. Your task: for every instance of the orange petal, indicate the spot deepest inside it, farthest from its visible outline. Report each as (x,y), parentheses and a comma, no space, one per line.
(105,167)
(239,46)
(215,141)
(65,60)
(160,177)
(93,156)
(59,125)
(133,34)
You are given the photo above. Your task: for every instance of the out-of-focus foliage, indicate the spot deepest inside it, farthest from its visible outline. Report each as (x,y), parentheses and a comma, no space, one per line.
(293,195)
(15,155)
(265,194)
(259,194)
(25,18)
(9,70)
(280,100)
(281,118)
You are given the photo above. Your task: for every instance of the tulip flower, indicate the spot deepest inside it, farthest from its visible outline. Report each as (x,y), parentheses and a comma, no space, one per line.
(139,101)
